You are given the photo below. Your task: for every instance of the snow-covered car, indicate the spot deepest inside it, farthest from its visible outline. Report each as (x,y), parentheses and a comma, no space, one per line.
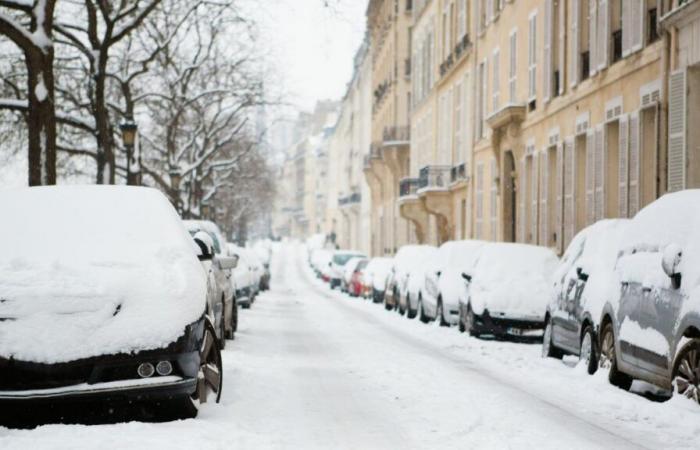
(242,277)
(509,288)
(102,297)
(375,276)
(408,257)
(444,286)
(257,272)
(320,262)
(581,290)
(356,287)
(415,285)
(337,265)
(219,270)
(650,329)
(350,268)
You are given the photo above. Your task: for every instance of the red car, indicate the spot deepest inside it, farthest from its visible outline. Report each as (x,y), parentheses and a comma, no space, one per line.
(356,287)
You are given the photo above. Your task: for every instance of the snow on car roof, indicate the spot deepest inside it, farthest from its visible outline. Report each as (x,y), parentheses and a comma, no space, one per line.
(93,270)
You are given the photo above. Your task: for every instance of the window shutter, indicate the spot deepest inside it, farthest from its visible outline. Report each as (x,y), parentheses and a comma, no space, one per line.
(544,194)
(600,151)
(593,36)
(495,88)
(547,62)
(604,33)
(562,47)
(489,10)
(532,58)
(677,117)
(512,70)
(590,177)
(494,201)
(634,164)
(462,19)
(559,225)
(623,168)
(574,57)
(535,199)
(626,12)
(636,20)
(522,189)
(569,191)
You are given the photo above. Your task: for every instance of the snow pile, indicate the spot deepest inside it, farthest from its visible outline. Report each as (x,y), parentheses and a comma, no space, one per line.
(513,280)
(631,331)
(377,273)
(87,271)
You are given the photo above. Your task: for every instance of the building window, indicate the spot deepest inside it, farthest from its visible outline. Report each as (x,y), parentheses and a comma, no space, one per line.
(495,86)
(494,200)
(532,60)
(512,66)
(479,200)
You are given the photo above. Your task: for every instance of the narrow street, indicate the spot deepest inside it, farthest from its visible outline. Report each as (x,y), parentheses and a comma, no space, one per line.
(311,368)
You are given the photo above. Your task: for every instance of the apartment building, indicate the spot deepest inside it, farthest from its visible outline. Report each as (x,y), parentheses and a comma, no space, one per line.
(389,28)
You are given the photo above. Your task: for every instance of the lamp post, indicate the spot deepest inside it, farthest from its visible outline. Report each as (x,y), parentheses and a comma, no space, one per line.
(129,129)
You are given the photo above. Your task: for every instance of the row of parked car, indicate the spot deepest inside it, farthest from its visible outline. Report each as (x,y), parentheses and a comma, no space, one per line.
(624,297)
(107,295)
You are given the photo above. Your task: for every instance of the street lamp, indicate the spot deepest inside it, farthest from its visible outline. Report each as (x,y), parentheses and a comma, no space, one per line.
(129,129)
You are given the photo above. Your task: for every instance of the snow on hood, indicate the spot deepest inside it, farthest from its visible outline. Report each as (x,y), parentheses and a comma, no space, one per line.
(377,272)
(408,258)
(93,270)
(456,258)
(513,279)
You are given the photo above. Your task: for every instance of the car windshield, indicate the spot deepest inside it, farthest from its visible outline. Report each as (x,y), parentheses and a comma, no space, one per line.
(342,258)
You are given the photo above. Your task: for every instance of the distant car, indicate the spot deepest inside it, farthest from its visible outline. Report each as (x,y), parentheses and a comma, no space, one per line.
(337,265)
(320,262)
(264,252)
(220,277)
(580,292)
(350,268)
(257,272)
(102,297)
(243,277)
(375,278)
(408,258)
(651,332)
(444,285)
(415,285)
(508,290)
(356,287)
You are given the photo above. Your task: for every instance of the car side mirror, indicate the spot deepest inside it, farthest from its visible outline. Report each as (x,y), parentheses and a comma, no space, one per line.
(583,276)
(670,263)
(466,277)
(205,244)
(227,262)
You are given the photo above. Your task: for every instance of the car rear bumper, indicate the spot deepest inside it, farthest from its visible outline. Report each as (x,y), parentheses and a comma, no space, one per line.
(497,326)
(141,389)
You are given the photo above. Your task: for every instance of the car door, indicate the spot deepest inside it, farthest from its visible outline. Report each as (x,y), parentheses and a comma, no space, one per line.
(565,315)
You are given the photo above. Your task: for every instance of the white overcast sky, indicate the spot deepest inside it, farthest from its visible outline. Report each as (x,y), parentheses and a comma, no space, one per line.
(310,46)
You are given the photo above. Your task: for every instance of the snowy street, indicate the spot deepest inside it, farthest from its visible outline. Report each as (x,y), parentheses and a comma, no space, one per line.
(311,368)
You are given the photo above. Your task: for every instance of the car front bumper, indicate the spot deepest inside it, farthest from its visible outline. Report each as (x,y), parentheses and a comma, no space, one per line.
(508,327)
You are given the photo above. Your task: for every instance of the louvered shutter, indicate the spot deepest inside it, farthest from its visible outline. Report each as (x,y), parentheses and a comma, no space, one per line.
(532,58)
(604,30)
(677,118)
(593,36)
(522,190)
(569,191)
(623,168)
(574,56)
(600,172)
(544,195)
(636,20)
(534,198)
(562,47)
(634,163)
(496,88)
(513,70)
(590,177)
(627,26)
(559,211)
(494,200)
(547,62)
(489,10)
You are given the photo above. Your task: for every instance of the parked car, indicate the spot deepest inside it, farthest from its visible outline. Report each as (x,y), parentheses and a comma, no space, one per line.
(350,268)
(356,288)
(508,290)
(374,278)
(580,291)
(444,286)
(221,278)
(337,265)
(101,286)
(406,259)
(651,332)
(242,277)
(320,262)
(415,285)
(257,273)
(263,250)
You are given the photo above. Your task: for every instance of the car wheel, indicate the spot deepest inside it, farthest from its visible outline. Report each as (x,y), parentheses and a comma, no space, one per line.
(421,311)
(440,315)
(588,352)
(410,313)
(548,348)
(222,329)
(231,334)
(210,375)
(686,371)
(608,360)
(470,321)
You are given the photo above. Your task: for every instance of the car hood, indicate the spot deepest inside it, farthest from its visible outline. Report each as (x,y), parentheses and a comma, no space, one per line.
(58,311)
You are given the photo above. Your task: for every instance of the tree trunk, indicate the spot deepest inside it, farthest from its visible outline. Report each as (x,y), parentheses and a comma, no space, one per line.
(41,119)
(106,163)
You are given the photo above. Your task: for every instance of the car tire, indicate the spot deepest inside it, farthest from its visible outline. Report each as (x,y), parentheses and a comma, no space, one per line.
(387,306)
(686,370)
(421,311)
(410,313)
(588,352)
(210,374)
(440,314)
(608,359)
(231,334)
(222,329)
(548,348)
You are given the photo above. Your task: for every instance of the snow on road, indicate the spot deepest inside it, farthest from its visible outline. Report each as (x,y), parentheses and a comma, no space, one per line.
(314,369)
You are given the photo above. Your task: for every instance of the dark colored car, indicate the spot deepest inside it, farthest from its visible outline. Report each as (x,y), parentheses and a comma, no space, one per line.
(102,297)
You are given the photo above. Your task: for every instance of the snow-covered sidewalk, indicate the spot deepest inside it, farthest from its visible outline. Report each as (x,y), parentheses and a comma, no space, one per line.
(315,369)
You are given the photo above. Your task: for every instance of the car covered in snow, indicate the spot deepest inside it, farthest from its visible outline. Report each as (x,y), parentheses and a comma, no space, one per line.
(356,287)
(405,260)
(320,261)
(243,277)
(444,286)
(263,250)
(581,290)
(509,288)
(415,285)
(224,308)
(375,276)
(651,329)
(337,265)
(351,267)
(102,296)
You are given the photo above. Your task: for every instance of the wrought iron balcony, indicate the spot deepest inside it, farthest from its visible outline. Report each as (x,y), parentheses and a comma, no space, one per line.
(348,200)
(397,134)
(435,177)
(458,173)
(408,186)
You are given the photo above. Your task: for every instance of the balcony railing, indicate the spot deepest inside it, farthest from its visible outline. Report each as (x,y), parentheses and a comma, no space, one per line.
(435,176)
(458,173)
(394,134)
(408,186)
(351,199)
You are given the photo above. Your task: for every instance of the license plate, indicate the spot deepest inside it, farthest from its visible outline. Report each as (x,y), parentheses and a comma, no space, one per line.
(515,331)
